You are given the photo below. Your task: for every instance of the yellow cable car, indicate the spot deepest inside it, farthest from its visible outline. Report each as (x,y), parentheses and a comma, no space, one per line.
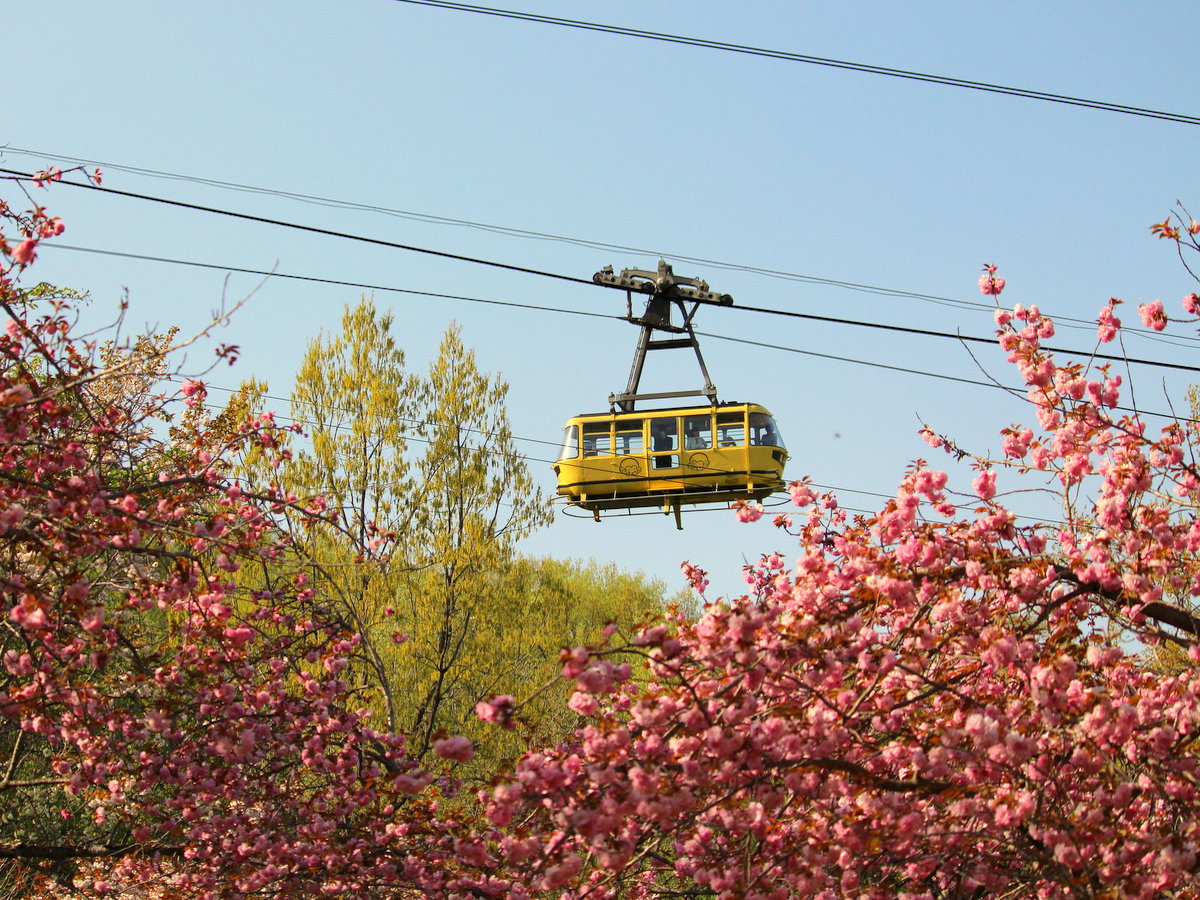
(628,458)
(668,457)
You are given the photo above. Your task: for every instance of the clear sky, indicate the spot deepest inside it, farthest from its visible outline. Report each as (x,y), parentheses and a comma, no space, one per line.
(674,151)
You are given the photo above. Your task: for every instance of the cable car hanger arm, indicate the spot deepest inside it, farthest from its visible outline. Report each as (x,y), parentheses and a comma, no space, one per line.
(662,282)
(665,289)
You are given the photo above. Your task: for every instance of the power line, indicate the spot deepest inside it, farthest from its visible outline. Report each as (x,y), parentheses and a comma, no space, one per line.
(529,271)
(507,230)
(530,306)
(861,362)
(538,308)
(994,385)
(810,60)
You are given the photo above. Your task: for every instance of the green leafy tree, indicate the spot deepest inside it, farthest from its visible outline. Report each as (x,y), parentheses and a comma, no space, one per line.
(553,605)
(356,400)
(430,497)
(475,499)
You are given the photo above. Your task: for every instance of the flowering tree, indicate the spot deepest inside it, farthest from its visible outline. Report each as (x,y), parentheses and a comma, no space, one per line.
(929,703)
(173,716)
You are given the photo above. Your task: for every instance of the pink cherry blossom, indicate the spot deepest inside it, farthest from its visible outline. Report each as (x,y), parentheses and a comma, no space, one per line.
(227,748)
(802,495)
(696,577)
(900,694)
(748,511)
(1109,324)
(933,701)
(25,252)
(990,283)
(458,749)
(583,703)
(499,709)
(1152,315)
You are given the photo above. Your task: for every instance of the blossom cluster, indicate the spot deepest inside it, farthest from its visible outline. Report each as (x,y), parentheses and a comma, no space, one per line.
(928,702)
(192,727)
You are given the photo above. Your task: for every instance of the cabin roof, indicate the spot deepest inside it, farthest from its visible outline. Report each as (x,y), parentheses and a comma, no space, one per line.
(671,411)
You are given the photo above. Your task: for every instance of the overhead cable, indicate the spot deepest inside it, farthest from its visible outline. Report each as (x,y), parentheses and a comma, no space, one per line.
(507,230)
(311,229)
(962,337)
(810,60)
(502,229)
(271,273)
(487,435)
(879,326)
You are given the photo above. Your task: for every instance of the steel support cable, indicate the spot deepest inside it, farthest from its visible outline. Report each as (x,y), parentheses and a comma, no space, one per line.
(901,329)
(961,337)
(270,273)
(811,60)
(511,231)
(523,270)
(994,385)
(311,229)
(514,268)
(746,341)
(862,362)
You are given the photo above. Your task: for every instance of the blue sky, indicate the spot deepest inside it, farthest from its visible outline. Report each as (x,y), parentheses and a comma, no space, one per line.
(674,151)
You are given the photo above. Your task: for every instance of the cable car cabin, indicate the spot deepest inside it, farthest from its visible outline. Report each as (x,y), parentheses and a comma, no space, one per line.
(668,457)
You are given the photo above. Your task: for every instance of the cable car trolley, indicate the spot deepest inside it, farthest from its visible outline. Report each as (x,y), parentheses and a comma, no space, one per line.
(627,458)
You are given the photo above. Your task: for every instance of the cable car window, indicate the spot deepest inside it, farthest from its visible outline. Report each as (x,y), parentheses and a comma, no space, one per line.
(763,431)
(570,447)
(597,439)
(697,432)
(664,436)
(731,429)
(629,436)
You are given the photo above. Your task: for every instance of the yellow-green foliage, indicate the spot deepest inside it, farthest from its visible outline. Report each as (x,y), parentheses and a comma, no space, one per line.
(433,497)
(474,499)
(554,604)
